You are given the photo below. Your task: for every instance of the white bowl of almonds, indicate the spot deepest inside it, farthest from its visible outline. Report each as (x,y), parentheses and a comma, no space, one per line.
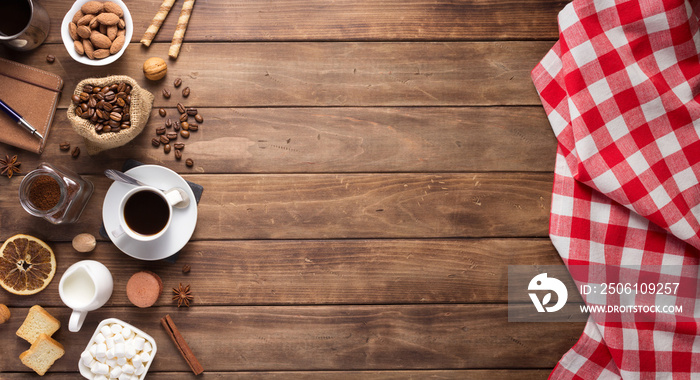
(96,33)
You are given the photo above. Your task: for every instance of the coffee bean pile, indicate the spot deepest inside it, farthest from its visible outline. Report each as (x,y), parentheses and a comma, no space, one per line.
(107,107)
(171,130)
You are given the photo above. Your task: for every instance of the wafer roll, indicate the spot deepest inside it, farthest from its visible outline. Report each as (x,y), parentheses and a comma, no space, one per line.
(181,28)
(157,22)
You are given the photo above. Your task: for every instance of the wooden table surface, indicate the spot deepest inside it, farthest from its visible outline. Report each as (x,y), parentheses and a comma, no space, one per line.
(370,169)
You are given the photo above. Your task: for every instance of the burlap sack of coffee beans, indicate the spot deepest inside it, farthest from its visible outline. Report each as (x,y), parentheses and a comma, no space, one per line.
(141,104)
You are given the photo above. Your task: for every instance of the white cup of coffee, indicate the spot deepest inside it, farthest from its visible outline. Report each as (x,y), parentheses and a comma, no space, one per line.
(85,286)
(145,212)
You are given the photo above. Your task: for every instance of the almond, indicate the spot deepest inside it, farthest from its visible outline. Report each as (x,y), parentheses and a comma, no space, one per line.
(121,24)
(117,44)
(78,15)
(92,7)
(84,31)
(101,53)
(94,24)
(113,8)
(85,20)
(89,50)
(73,31)
(107,19)
(121,32)
(79,47)
(99,40)
(112,32)
(103,29)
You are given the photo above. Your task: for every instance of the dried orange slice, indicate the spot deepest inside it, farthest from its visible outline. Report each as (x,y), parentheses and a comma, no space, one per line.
(27,265)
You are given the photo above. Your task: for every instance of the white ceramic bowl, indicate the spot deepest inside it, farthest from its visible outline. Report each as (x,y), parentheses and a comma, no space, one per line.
(68,41)
(85,370)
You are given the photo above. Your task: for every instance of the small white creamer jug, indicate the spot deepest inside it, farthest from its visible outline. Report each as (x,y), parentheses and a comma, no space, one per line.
(85,286)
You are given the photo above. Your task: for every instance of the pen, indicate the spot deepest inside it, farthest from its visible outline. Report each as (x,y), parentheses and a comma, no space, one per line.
(19,119)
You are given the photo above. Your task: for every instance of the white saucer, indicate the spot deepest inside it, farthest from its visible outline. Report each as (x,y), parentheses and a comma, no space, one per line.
(181,227)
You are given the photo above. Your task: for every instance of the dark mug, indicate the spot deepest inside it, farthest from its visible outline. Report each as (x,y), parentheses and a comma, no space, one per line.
(24,24)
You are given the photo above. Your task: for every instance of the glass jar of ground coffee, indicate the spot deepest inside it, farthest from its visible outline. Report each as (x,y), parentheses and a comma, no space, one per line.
(54,193)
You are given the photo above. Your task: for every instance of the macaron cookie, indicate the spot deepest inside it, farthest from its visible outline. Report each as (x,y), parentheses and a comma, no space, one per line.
(144,288)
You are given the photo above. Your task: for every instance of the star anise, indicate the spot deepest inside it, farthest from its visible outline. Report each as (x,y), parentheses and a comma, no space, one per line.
(183,296)
(9,166)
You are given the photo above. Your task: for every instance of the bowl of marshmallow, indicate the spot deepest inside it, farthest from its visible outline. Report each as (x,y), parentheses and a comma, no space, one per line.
(117,350)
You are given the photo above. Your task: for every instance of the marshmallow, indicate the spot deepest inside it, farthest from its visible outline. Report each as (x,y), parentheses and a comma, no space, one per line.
(124,376)
(127,333)
(100,338)
(110,353)
(119,350)
(93,349)
(139,343)
(86,358)
(130,350)
(116,328)
(100,377)
(134,377)
(115,372)
(101,351)
(111,362)
(128,368)
(109,342)
(139,371)
(147,347)
(106,331)
(119,338)
(145,357)
(136,361)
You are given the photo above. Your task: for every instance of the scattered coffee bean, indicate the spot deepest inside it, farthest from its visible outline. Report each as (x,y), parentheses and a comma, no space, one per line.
(176,126)
(185,134)
(160,131)
(171,135)
(193,127)
(76,152)
(179,145)
(185,125)
(184,117)
(166,93)
(50,58)
(181,108)
(177,82)
(162,112)
(64,146)
(186,92)
(191,111)
(186,268)
(178,154)
(166,148)
(199,118)
(189,162)
(169,123)
(164,139)
(155,142)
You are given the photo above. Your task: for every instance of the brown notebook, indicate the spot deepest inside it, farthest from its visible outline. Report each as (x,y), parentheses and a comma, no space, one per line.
(34,94)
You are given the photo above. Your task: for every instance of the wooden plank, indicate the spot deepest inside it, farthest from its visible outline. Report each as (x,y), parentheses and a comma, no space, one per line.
(326,74)
(329,206)
(318,140)
(297,20)
(289,338)
(321,272)
(472,374)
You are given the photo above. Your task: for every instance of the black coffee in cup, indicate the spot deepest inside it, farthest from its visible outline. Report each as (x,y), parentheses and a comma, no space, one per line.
(146,212)
(14,16)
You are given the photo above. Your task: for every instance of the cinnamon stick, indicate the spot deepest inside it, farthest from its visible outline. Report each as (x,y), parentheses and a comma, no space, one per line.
(181,345)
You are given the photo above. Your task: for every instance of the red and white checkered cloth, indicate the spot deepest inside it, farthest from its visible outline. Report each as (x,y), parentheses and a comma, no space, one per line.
(621,89)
